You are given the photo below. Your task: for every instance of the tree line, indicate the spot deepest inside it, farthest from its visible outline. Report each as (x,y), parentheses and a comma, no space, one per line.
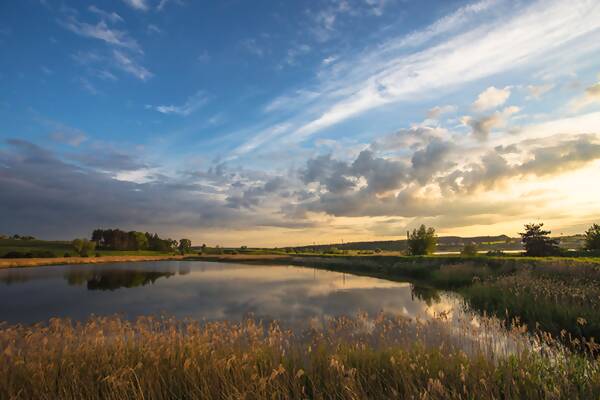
(536,241)
(119,240)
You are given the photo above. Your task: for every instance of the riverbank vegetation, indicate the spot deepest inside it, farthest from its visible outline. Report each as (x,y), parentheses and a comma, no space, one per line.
(103,242)
(344,358)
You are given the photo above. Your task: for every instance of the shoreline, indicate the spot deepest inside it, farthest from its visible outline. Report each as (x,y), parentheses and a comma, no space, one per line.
(7,263)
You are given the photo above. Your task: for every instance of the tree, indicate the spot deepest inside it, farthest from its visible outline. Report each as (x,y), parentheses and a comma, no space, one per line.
(141,241)
(83,247)
(592,238)
(422,241)
(470,249)
(185,246)
(537,241)
(77,245)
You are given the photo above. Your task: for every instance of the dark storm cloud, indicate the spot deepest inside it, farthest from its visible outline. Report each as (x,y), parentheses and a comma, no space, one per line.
(44,195)
(109,161)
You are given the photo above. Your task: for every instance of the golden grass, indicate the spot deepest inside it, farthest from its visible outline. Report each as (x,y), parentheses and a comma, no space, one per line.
(36,262)
(345,358)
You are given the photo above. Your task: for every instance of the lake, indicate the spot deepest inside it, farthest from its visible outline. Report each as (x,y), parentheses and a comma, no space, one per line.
(208,291)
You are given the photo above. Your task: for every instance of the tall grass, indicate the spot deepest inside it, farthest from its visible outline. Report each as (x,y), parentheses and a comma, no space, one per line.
(345,358)
(554,303)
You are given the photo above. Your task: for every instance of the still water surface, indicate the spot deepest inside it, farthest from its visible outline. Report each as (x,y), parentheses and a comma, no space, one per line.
(209,291)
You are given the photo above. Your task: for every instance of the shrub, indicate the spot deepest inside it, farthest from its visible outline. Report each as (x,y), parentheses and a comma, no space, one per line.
(422,241)
(592,238)
(470,249)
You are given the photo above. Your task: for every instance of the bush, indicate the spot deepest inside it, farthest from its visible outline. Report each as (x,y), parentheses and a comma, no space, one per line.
(422,241)
(470,249)
(67,255)
(592,238)
(98,255)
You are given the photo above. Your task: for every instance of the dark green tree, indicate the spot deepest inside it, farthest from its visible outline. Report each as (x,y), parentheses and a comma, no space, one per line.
(185,246)
(592,238)
(83,247)
(537,242)
(422,241)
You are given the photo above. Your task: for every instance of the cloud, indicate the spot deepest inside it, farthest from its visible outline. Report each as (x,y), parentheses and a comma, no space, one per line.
(424,178)
(112,16)
(87,86)
(153,29)
(536,92)
(490,98)
(192,104)
(163,3)
(100,31)
(141,5)
(437,111)
(591,96)
(71,137)
(53,197)
(481,127)
(390,73)
(129,65)
(407,139)
(251,46)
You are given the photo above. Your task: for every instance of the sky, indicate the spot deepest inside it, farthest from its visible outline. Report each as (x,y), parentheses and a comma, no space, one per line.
(276,123)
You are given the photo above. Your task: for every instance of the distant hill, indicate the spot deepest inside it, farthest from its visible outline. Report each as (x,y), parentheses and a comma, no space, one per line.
(445,243)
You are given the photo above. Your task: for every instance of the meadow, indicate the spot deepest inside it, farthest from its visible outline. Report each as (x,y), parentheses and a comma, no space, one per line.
(344,358)
(55,248)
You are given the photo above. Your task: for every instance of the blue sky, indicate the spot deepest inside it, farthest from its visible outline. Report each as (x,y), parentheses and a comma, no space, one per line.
(268,123)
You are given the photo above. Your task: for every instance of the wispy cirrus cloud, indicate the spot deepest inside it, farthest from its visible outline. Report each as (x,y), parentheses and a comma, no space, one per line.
(110,16)
(388,74)
(129,65)
(141,5)
(100,31)
(191,105)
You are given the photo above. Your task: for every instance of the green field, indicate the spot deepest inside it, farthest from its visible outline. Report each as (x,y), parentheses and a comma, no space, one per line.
(59,248)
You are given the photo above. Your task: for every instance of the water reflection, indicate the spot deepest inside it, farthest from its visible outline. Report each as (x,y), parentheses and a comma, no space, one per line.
(208,291)
(111,279)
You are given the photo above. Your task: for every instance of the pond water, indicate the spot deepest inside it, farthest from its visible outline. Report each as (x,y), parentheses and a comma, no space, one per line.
(208,291)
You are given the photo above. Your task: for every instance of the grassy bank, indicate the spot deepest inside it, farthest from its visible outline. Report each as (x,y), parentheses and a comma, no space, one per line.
(347,358)
(53,249)
(37,262)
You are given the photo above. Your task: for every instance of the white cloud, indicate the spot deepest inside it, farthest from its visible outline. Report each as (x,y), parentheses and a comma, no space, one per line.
(141,5)
(482,127)
(109,16)
(163,3)
(591,96)
(537,91)
(101,31)
(491,97)
(192,104)
(127,64)
(438,111)
(444,25)
(252,47)
(526,39)
(153,29)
